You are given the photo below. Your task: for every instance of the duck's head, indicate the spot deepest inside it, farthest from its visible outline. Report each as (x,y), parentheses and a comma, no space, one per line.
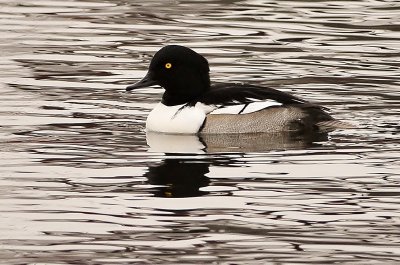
(183,73)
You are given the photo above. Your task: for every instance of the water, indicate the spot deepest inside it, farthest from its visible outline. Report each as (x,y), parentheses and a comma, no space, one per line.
(82,184)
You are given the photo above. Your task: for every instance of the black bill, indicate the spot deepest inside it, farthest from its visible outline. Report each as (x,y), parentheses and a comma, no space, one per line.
(145,82)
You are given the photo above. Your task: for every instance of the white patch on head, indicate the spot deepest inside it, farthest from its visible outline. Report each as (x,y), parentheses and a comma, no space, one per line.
(175,119)
(246,108)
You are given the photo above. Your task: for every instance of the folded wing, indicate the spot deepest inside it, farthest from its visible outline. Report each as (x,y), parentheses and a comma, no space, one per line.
(243,99)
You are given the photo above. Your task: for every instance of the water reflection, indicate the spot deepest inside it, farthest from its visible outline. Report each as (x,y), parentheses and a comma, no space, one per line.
(79,184)
(179,176)
(174,143)
(219,143)
(182,172)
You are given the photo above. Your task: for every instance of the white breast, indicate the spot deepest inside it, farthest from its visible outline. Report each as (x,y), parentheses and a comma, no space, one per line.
(175,119)
(181,119)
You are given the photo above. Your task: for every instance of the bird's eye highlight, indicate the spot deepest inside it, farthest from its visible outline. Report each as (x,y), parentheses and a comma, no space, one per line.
(168,65)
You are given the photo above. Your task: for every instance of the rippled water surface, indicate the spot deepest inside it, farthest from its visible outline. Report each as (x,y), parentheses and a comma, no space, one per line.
(81,183)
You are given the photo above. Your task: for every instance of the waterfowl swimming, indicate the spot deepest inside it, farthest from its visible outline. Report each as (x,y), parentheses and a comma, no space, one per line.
(191,105)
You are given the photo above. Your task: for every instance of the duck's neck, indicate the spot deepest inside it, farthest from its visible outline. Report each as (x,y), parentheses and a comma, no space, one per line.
(188,93)
(186,89)
(172,99)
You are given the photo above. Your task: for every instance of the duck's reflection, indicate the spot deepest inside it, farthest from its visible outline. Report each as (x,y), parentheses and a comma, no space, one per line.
(174,143)
(179,177)
(183,172)
(219,143)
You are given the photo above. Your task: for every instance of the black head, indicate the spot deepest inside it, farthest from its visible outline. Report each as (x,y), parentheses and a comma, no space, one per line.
(182,72)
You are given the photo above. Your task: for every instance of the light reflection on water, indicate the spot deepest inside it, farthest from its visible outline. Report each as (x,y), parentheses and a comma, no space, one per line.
(81,183)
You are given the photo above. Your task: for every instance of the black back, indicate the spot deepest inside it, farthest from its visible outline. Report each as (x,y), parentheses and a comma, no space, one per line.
(230,94)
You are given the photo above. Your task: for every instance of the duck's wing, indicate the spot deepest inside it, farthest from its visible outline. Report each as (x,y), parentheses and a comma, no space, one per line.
(229,94)
(242,99)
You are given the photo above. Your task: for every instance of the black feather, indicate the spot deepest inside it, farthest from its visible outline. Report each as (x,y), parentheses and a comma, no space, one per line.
(232,94)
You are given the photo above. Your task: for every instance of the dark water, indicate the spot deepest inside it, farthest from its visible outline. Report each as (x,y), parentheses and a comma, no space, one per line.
(81,185)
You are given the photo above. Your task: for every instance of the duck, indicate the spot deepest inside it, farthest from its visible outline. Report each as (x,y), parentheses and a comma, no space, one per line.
(192,105)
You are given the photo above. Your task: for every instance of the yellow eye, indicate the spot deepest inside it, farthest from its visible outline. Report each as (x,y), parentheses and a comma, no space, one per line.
(168,65)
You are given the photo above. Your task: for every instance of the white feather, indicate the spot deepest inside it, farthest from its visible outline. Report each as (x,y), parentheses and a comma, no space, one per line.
(206,108)
(175,119)
(235,109)
(246,108)
(256,106)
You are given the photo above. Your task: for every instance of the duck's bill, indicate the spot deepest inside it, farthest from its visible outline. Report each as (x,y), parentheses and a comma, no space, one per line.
(145,82)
